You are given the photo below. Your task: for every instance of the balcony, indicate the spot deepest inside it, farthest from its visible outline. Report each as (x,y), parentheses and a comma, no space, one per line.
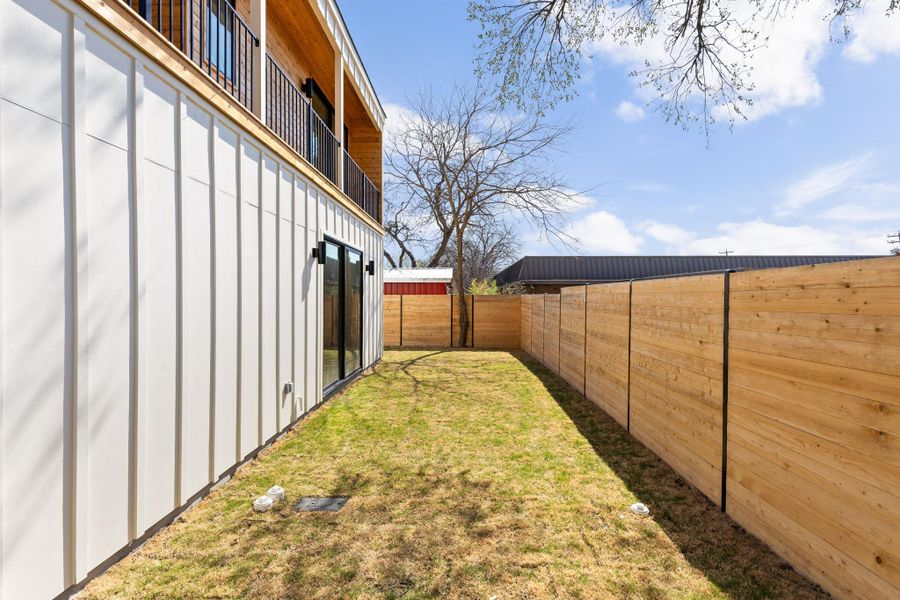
(211,34)
(218,40)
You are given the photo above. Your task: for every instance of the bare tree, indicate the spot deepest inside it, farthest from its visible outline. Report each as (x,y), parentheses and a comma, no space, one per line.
(454,165)
(488,248)
(533,49)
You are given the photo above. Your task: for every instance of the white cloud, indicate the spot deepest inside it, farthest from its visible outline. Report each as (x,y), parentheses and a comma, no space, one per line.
(647,186)
(630,112)
(575,201)
(667,233)
(852,211)
(759,237)
(822,183)
(873,33)
(604,232)
(397,120)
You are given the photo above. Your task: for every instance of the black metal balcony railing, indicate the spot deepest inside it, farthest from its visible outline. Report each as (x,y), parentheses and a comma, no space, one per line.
(210,33)
(287,109)
(216,38)
(360,188)
(290,115)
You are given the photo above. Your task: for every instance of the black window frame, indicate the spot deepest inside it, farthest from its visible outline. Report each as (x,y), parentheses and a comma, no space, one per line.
(343,376)
(315,94)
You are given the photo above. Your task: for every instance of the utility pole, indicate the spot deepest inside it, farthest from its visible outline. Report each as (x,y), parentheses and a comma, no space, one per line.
(894,241)
(726,252)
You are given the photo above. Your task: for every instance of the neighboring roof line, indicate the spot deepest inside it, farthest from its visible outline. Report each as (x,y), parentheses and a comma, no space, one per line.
(587,269)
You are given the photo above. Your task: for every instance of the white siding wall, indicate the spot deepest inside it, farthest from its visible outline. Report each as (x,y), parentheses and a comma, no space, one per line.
(156,292)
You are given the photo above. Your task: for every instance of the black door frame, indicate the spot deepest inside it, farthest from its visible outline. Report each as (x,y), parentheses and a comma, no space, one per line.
(343,376)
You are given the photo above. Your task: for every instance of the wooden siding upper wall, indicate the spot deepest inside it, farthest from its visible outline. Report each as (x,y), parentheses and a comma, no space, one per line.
(607,349)
(296,40)
(571,336)
(526,325)
(677,328)
(814,420)
(551,332)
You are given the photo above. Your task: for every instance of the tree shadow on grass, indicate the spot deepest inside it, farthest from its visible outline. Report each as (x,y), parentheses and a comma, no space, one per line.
(728,556)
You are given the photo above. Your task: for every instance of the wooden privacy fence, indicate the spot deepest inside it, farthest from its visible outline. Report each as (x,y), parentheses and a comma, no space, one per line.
(418,321)
(774,392)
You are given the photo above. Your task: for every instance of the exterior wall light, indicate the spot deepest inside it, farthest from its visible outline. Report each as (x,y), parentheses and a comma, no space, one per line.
(318,252)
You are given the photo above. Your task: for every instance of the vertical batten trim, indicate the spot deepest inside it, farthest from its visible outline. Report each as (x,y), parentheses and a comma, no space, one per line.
(304,294)
(76,567)
(278,283)
(137,281)
(295,297)
(211,138)
(180,114)
(260,215)
(276,341)
(239,343)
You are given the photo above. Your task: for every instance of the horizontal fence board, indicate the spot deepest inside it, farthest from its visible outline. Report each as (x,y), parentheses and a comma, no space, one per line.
(872,273)
(881,388)
(870,329)
(571,336)
(551,332)
(864,356)
(606,380)
(392,320)
(855,301)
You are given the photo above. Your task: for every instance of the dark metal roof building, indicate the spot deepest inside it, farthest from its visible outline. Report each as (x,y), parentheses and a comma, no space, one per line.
(572,270)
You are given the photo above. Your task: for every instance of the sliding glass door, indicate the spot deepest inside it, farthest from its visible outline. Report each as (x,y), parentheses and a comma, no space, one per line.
(341,313)
(352,310)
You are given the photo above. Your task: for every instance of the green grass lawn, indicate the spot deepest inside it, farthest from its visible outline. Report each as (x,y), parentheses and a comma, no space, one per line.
(470,475)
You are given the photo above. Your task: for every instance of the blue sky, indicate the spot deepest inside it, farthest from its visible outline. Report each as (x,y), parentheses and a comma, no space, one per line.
(815,170)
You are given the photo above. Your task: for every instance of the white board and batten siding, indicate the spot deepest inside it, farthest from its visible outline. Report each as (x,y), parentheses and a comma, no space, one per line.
(156,292)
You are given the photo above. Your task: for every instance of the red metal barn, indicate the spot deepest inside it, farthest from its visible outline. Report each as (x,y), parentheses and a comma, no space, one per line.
(417,282)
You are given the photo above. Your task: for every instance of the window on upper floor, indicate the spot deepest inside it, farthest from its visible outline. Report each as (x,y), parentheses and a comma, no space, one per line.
(320,103)
(220,37)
